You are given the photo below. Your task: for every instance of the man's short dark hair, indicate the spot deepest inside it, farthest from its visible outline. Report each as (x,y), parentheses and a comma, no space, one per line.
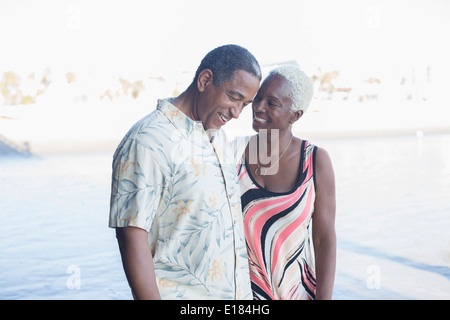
(225,60)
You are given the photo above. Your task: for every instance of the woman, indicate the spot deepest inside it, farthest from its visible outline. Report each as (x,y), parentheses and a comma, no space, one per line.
(288,200)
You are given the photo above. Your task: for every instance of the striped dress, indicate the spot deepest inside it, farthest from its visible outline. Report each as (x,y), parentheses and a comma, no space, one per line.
(277,229)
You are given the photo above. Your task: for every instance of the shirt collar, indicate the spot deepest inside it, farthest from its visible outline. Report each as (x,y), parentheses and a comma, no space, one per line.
(186,127)
(183,123)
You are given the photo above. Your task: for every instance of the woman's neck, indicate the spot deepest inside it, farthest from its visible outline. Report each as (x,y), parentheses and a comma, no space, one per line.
(274,141)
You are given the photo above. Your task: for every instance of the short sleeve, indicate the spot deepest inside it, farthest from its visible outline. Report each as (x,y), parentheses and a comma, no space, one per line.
(137,184)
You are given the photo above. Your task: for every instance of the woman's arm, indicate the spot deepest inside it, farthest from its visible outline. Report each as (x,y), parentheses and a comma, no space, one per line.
(323,230)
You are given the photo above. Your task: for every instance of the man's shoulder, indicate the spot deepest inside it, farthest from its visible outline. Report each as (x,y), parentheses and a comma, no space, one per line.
(151,132)
(152,126)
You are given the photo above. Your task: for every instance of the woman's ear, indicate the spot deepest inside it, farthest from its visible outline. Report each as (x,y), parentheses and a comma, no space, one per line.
(205,77)
(295,116)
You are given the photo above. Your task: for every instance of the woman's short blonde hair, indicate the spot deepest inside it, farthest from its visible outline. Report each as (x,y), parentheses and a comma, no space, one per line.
(301,86)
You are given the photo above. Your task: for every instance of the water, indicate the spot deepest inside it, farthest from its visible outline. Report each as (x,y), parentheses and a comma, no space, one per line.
(54,239)
(393,217)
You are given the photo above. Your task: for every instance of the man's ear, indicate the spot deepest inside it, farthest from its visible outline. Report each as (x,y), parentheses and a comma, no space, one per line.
(205,78)
(296,115)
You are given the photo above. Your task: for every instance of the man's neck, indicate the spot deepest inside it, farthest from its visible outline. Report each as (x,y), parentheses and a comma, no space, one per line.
(186,102)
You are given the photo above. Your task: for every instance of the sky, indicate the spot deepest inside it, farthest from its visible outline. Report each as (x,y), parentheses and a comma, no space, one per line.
(159,37)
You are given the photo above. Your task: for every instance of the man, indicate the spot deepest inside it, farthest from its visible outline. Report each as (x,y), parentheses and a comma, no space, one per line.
(175,200)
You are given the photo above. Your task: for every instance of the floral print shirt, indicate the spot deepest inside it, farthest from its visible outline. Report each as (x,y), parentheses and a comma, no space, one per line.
(171,180)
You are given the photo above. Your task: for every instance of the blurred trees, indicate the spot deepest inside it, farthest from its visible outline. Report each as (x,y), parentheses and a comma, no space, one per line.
(14,91)
(325,81)
(127,88)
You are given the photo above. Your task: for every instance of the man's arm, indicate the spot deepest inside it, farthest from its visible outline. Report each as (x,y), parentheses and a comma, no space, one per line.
(323,231)
(138,262)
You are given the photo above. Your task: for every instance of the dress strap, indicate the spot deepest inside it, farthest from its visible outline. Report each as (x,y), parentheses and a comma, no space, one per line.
(309,158)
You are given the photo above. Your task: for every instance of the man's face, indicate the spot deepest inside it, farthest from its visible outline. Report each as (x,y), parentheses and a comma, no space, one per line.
(216,105)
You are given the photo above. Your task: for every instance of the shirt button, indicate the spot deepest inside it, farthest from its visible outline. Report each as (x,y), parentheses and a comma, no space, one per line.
(198,126)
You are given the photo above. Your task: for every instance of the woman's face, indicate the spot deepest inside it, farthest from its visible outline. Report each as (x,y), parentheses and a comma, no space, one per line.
(272,105)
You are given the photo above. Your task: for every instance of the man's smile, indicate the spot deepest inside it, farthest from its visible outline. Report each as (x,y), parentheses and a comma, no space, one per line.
(223,118)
